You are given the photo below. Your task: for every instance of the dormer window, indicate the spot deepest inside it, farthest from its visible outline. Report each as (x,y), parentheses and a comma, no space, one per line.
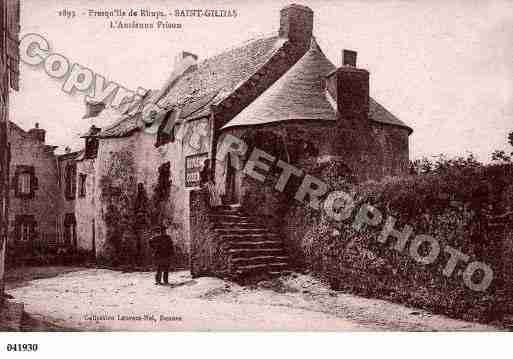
(91,147)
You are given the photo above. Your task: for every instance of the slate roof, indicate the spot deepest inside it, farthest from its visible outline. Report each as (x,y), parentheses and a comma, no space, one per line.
(299,95)
(70,155)
(207,83)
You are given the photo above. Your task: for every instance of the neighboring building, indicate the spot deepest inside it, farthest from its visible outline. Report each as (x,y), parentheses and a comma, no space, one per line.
(42,193)
(9,79)
(34,193)
(68,183)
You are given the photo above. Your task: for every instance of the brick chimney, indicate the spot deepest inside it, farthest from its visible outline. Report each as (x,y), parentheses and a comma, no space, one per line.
(183,62)
(296,24)
(349,87)
(184,56)
(37,133)
(93,109)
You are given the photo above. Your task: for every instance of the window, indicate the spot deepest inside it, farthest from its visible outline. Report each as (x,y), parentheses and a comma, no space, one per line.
(82,185)
(25,228)
(25,232)
(70,181)
(25,181)
(92,142)
(91,147)
(164,182)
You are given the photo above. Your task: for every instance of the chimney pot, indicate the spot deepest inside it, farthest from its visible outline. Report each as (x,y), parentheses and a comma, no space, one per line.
(93,109)
(349,58)
(37,133)
(182,57)
(349,86)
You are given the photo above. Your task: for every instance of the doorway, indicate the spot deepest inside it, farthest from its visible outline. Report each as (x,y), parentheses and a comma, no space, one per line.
(232,195)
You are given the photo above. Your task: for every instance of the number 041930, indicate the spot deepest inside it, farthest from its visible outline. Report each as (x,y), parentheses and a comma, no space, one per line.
(22,347)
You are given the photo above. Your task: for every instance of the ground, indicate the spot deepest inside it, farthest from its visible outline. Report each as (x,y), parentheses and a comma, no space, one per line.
(102,299)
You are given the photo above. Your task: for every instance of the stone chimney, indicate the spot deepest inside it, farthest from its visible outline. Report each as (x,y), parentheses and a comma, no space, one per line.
(183,62)
(184,56)
(296,24)
(93,109)
(349,87)
(37,133)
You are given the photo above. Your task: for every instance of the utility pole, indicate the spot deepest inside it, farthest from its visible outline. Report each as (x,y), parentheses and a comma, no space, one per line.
(9,78)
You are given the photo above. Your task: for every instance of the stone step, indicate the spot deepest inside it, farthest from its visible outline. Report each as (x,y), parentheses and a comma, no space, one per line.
(245,245)
(268,260)
(237,225)
(247,237)
(230,217)
(258,268)
(254,252)
(280,272)
(229,207)
(240,231)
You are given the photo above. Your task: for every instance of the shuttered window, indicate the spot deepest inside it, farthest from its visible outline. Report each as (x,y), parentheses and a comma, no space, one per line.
(25,228)
(70,181)
(25,182)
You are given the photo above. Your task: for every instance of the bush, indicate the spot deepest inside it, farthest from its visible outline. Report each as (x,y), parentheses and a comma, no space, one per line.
(451,203)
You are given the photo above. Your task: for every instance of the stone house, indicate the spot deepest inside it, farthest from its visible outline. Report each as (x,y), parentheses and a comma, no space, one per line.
(41,193)
(278,93)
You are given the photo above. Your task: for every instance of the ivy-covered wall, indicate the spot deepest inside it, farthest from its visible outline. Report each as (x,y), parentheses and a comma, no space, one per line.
(138,186)
(457,208)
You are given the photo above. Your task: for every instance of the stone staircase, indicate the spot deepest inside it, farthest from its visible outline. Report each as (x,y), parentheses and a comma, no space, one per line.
(253,251)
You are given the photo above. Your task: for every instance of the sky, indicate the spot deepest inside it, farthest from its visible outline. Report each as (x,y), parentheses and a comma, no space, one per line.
(445,68)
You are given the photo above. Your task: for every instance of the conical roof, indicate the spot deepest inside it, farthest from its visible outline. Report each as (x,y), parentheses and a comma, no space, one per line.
(297,95)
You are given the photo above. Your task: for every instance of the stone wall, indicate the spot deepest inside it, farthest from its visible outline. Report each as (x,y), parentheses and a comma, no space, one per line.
(29,151)
(368,153)
(85,206)
(207,256)
(469,210)
(66,204)
(140,177)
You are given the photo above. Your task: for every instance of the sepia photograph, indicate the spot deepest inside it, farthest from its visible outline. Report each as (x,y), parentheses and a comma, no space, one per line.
(236,166)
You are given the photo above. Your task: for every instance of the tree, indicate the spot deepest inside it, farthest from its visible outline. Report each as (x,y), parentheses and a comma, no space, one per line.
(503,156)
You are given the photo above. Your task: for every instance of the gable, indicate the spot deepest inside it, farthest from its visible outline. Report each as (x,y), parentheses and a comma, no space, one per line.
(205,84)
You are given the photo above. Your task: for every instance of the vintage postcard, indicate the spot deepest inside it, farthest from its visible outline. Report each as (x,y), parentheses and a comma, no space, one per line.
(256,166)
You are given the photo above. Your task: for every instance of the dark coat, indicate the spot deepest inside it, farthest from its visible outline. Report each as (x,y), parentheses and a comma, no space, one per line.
(162,246)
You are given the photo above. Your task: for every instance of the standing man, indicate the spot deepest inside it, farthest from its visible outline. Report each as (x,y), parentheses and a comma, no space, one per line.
(163,252)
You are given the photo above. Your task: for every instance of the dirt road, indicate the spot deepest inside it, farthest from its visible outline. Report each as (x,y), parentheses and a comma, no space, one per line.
(100,299)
